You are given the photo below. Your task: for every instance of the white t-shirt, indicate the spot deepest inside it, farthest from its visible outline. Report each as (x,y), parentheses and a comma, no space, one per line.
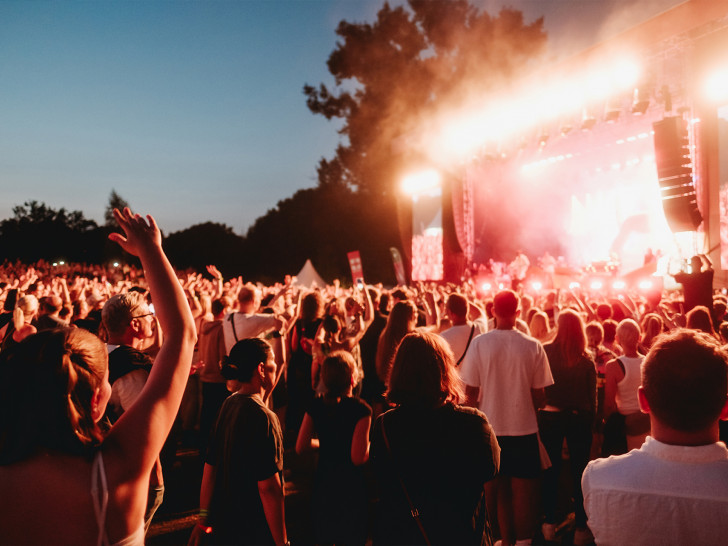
(506,365)
(246,325)
(627,399)
(659,494)
(457,336)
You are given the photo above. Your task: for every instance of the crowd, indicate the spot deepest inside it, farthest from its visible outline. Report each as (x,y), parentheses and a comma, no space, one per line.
(440,414)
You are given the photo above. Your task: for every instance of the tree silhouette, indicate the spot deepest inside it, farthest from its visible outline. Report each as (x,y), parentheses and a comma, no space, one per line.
(115,202)
(407,65)
(37,231)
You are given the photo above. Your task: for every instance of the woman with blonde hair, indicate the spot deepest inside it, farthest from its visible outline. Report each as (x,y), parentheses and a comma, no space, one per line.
(539,327)
(21,325)
(61,480)
(431,457)
(571,404)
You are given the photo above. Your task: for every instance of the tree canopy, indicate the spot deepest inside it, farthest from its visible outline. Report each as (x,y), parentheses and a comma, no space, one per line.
(37,231)
(115,202)
(405,66)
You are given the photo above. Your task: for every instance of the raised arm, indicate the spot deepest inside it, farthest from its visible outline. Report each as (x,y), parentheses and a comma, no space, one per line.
(212,270)
(138,436)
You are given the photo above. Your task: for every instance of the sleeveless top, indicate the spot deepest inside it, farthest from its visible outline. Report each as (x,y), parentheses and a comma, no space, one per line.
(100,496)
(626,398)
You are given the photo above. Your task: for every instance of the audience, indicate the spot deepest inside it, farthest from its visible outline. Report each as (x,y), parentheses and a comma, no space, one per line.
(595,377)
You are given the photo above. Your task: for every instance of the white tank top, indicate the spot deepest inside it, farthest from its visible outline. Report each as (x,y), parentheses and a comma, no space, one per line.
(627,401)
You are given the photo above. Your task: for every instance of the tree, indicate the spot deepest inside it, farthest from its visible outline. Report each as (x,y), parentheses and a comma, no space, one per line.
(203,244)
(37,231)
(404,67)
(115,202)
(323,224)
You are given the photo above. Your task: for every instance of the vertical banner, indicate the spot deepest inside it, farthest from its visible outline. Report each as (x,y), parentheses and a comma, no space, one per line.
(398,266)
(357,273)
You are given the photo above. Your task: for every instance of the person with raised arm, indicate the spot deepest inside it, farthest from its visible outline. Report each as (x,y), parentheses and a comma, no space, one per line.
(61,480)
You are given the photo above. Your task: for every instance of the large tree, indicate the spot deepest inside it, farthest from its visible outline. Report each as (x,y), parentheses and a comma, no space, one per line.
(37,231)
(406,66)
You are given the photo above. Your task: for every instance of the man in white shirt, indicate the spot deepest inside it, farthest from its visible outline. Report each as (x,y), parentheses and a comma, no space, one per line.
(505,372)
(247,323)
(673,489)
(461,332)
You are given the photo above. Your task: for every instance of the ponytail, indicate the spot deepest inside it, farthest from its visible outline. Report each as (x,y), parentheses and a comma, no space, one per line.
(47,385)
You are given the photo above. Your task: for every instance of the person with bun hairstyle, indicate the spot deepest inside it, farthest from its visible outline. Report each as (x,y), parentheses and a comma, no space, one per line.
(241,497)
(61,480)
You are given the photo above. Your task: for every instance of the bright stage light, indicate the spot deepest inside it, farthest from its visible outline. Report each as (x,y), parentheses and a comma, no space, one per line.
(596,285)
(500,286)
(536,285)
(626,73)
(619,285)
(486,287)
(574,285)
(421,182)
(716,85)
(645,285)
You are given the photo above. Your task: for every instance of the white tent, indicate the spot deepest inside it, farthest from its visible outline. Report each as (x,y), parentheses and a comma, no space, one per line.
(308,276)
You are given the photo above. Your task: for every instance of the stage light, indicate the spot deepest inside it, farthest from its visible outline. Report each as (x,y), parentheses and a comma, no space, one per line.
(116,264)
(619,285)
(716,85)
(596,285)
(486,287)
(640,101)
(645,284)
(536,285)
(421,182)
(62,262)
(625,73)
(612,111)
(588,121)
(55,264)
(500,286)
(574,285)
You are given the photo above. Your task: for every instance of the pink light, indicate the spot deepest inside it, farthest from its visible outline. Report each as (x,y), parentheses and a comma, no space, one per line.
(645,285)
(596,285)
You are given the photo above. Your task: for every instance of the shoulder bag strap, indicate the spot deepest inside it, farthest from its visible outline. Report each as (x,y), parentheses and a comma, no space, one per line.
(415,513)
(472,331)
(232,321)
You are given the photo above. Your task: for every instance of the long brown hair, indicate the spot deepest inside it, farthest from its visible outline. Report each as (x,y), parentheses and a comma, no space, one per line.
(47,383)
(423,372)
(397,327)
(570,336)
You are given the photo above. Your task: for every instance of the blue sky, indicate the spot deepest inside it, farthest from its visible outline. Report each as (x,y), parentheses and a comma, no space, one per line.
(192,111)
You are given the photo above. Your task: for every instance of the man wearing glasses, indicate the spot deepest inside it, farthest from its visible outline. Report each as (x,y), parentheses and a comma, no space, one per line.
(129,324)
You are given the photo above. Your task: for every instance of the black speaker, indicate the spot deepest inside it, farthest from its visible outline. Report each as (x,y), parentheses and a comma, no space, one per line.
(675,174)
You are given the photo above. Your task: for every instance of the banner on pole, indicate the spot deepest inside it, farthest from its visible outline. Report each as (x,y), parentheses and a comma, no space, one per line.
(357,273)
(398,266)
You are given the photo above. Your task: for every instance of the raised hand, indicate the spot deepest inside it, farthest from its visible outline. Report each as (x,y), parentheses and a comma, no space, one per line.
(140,234)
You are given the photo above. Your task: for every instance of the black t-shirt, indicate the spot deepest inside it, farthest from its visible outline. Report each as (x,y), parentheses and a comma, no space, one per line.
(125,359)
(575,386)
(697,289)
(334,423)
(444,456)
(246,447)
